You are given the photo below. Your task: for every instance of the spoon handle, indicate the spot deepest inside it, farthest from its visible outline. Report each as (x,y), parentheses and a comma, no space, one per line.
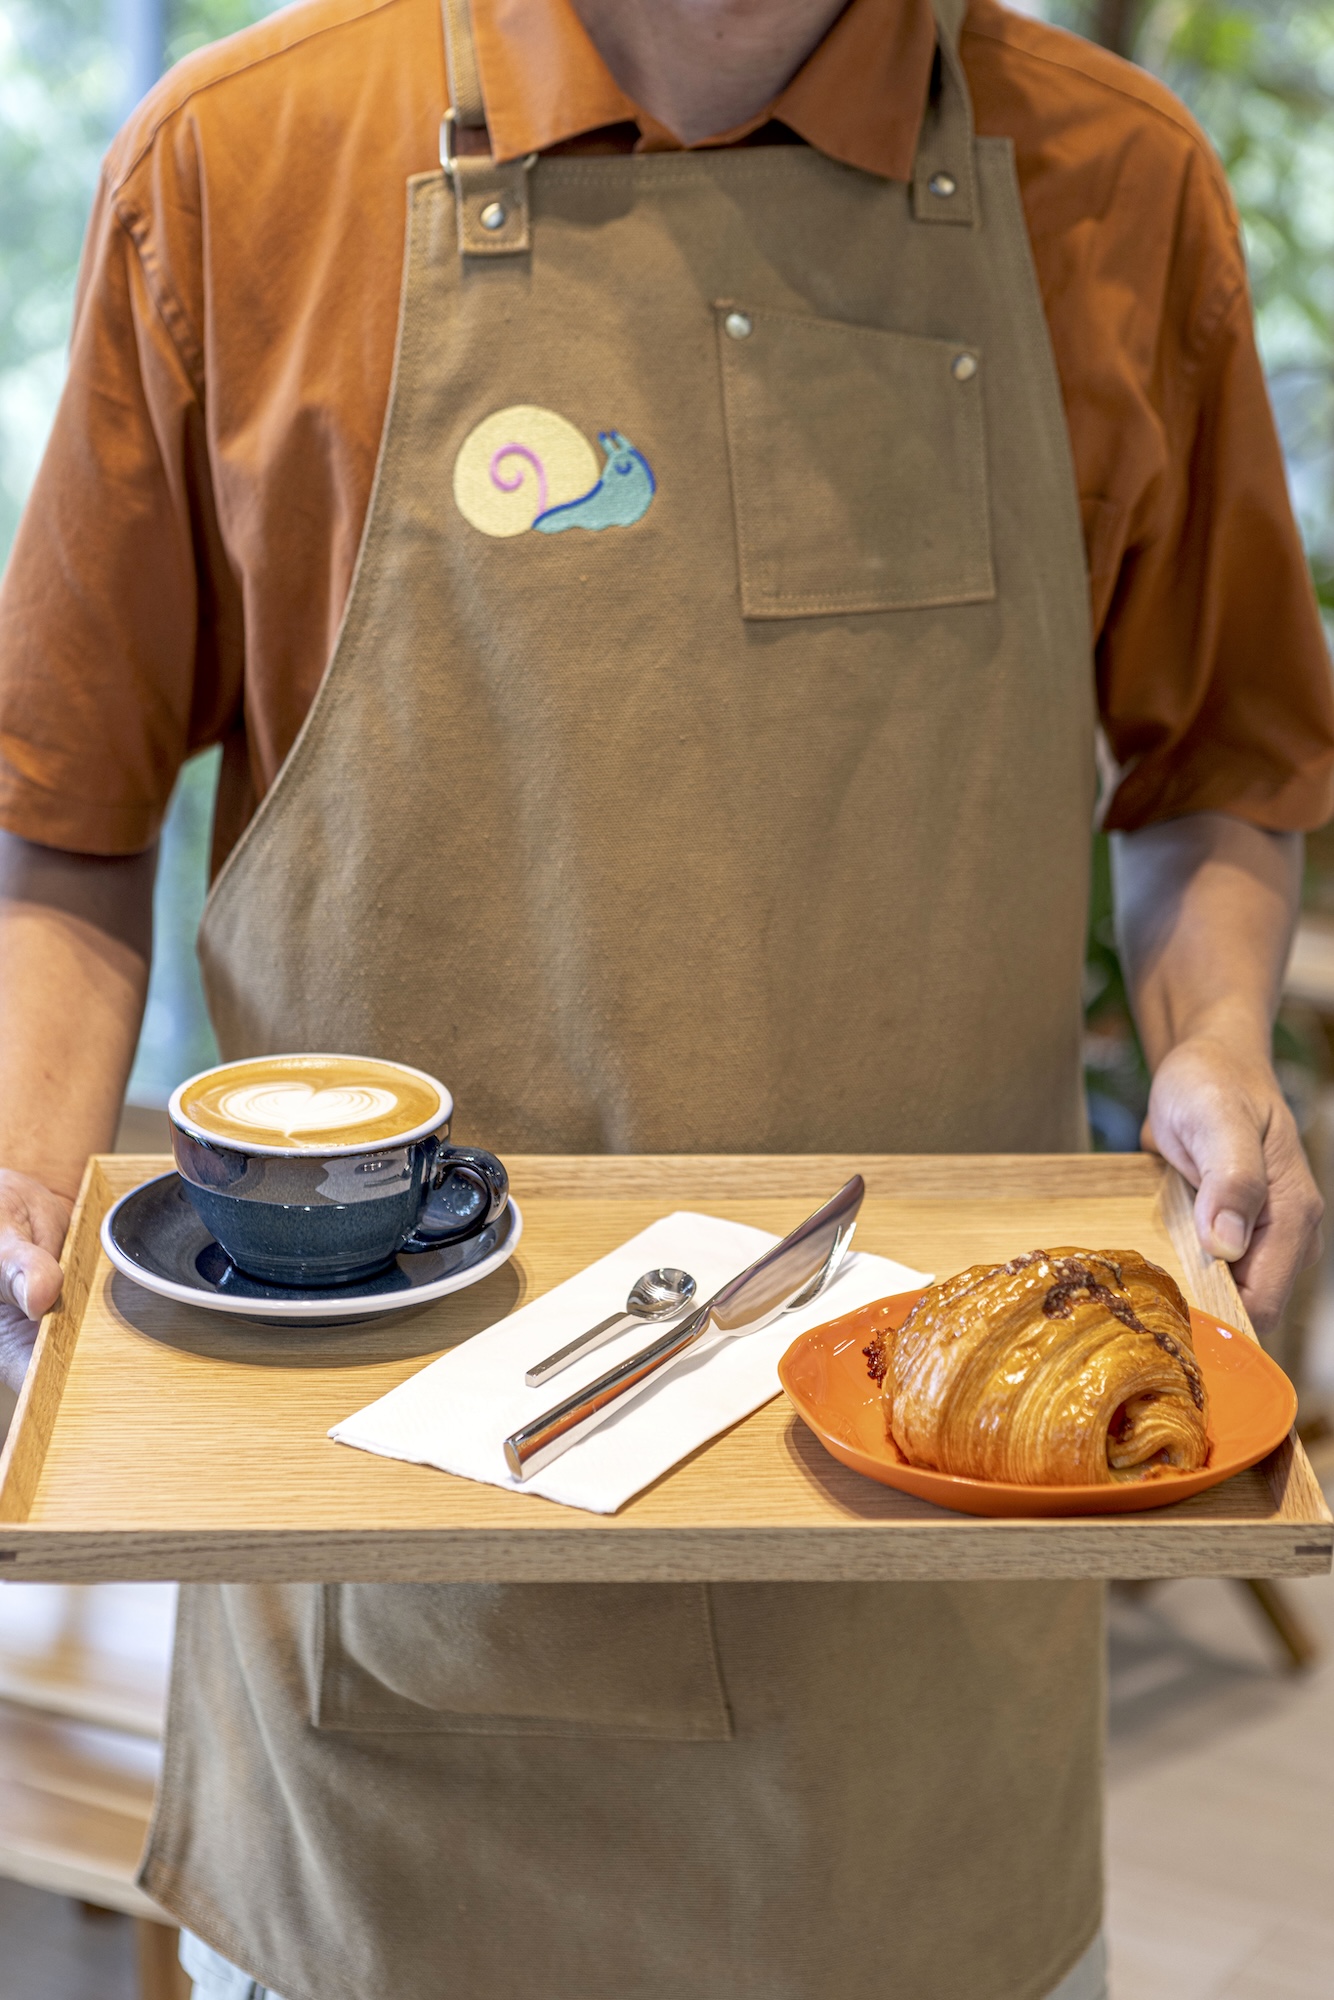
(791,1274)
(584,1343)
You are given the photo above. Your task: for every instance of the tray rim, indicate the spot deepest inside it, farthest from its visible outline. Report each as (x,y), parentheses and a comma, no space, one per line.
(556,1544)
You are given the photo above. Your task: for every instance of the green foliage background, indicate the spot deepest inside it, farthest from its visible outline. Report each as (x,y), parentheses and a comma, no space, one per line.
(1259,75)
(61,88)
(62,92)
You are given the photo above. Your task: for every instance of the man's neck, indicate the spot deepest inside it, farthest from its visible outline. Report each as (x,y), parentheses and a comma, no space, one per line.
(705,66)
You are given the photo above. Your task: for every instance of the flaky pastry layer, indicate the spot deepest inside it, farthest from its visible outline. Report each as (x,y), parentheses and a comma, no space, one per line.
(1061,1368)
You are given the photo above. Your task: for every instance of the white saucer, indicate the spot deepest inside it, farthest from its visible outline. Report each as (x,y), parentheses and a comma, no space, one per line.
(153,1236)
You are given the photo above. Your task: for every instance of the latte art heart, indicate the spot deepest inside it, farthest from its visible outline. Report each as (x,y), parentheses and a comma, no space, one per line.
(304,1103)
(294,1108)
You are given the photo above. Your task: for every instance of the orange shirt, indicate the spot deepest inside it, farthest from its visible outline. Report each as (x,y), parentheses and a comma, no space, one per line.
(183,563)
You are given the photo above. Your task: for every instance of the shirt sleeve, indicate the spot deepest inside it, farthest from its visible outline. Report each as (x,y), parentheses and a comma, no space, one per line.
(110,663)
(1213,669)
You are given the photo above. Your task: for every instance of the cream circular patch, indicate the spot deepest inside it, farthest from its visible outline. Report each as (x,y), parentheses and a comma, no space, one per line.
(518,462)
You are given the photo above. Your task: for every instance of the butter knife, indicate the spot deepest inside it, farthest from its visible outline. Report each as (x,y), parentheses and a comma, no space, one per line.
(793,1273)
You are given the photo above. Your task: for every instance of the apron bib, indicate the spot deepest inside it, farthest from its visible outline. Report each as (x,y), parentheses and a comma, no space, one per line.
(705,763)
(757,821)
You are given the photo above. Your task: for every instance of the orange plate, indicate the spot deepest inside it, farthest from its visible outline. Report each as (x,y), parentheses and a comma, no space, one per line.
(1252,1405)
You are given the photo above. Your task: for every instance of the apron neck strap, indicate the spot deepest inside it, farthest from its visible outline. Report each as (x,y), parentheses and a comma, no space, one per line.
(490,199)
(465,85)
(944,187)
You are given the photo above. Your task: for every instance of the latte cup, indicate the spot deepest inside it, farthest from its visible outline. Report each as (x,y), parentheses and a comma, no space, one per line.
(320,1169)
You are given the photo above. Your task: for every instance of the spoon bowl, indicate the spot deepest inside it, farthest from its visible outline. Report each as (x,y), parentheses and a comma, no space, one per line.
(660,1291)
(654,1295)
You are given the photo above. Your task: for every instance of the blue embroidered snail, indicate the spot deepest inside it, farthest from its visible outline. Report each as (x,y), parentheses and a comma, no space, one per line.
(527,467)
(620,498)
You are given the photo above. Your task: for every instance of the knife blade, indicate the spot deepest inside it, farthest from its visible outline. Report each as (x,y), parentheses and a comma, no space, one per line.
(792,1273)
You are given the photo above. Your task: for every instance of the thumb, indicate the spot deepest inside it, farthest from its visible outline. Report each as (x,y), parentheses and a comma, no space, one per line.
(1233,1185)
(30,1277)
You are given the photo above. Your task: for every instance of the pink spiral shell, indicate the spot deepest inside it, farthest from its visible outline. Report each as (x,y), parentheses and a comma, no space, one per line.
(522,451)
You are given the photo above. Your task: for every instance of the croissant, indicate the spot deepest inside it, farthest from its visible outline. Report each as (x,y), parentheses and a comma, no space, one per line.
(1061,1368)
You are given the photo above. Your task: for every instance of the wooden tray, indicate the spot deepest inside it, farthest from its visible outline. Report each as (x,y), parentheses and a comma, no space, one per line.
(153,1440)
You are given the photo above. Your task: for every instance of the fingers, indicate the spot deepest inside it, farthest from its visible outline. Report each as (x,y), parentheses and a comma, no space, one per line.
(32,1230)
(1212,1129)
(33,1221)
(1233,1189)
(30,1280)
(17,1335)
(1232,1136)
(1286,1239)
(30,1277)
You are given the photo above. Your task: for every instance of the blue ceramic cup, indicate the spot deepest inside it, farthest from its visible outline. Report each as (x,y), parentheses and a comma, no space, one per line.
(318,1170)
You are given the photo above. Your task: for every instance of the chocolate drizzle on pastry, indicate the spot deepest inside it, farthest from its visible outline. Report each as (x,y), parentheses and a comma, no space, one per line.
(1061,1367)
(1073,1278)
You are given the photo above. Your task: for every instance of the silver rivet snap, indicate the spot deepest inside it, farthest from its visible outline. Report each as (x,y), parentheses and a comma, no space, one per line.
(943,185)
(963,367)
(493,215)
(739,325)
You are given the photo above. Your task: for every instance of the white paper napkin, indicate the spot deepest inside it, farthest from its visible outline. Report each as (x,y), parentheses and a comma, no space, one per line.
(457,1412)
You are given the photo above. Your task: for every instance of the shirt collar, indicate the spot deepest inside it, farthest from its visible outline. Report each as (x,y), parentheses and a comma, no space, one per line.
(859,96)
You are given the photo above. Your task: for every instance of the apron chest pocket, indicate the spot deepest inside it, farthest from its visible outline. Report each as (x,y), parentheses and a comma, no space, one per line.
(858,462)
(520,1659)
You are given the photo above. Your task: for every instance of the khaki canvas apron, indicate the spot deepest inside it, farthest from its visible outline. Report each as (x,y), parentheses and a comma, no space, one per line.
(754,819)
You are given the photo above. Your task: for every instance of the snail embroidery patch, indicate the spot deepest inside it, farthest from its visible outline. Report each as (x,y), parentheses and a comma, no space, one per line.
(525,467)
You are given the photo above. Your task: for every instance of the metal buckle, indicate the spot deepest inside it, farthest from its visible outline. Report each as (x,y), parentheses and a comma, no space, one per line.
(448,154)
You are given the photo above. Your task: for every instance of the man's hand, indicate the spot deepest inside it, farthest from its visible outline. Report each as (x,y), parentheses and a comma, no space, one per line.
(76,934)
(1205,911)
(1223,1123)
(33,1222)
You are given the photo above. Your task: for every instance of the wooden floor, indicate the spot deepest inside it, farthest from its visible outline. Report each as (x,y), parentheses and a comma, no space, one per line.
(1221,1799)
(51,1950)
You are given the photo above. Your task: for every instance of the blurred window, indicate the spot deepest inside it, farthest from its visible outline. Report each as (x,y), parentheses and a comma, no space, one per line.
(70,70)
(1259,76)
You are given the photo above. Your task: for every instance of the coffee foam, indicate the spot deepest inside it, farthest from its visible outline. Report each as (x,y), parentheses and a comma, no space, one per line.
(309,1101)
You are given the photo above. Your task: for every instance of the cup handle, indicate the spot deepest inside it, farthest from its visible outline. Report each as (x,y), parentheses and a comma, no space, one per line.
(474,1186)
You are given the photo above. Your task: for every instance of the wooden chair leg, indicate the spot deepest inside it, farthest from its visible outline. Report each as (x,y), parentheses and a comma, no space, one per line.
(161,1974)
(1293,1634)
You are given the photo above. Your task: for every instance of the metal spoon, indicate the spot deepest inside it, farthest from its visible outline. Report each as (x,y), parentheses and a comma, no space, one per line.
(656,1295)
(755,1298)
